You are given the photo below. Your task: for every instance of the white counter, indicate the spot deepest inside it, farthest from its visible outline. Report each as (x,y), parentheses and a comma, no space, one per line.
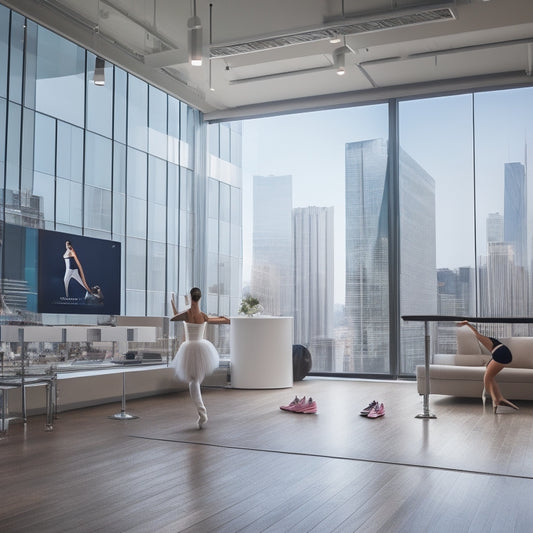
(261,352)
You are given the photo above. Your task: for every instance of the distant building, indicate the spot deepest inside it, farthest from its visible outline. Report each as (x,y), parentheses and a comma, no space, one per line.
(367,262)
(504,280)
(272,263)
(494,227)
(515,211)
(313,240)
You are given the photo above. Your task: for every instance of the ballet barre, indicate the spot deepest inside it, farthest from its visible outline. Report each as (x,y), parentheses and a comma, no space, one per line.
(427,414)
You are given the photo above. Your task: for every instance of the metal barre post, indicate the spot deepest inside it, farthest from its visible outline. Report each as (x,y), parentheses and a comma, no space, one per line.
(4,422)
(23,375)
(426,413)
(123,415)
(50,406)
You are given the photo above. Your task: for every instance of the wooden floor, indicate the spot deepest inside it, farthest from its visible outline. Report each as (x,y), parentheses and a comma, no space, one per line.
(256,468)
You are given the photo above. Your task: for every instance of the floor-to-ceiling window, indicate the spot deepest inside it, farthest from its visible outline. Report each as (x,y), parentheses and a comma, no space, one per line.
(436,185)
(318,195)
(503,133)
(315,228)
(464,221)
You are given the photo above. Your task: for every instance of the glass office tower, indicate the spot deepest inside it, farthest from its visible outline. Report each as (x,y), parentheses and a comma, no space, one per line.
(367,276)
(367,245)
(273,266)
(505,273)
(314,283)
(515,211)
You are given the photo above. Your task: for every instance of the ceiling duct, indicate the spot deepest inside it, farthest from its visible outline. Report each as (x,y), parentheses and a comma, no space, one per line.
(344,26)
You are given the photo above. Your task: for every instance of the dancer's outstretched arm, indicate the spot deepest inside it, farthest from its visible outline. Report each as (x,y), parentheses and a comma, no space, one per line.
(481,338)
(218,320)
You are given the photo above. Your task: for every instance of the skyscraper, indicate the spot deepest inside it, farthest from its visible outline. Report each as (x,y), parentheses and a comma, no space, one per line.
(272,261)
(367,308)
(494,227)
(313,283)
(515,210)
(367,262)
(505,291)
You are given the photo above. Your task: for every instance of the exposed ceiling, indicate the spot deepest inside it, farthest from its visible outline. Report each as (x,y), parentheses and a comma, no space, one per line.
(263,56)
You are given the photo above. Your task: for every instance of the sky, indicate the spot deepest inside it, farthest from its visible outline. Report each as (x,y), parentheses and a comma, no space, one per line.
(438,133)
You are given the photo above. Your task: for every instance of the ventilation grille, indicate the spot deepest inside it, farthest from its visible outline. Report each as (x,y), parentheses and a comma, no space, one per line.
(371,25)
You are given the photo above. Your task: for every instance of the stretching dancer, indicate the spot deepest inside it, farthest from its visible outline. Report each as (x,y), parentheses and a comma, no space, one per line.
(501,356)
(196,357)
(73,268)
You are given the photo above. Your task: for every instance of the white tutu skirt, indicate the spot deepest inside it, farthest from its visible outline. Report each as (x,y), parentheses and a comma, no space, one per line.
(196,358)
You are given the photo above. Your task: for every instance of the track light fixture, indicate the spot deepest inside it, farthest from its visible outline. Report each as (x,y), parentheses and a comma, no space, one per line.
(335,38)
(99,71)
(339,56)
(194,27)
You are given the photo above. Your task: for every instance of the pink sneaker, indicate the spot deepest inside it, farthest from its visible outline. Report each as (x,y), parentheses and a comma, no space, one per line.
(311,407)
(305,407)
(298,406)
(376,411)
(368,408)
(291,405)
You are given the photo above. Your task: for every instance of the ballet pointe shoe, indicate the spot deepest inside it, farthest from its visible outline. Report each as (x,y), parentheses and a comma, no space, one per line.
(503,402)
(202,417)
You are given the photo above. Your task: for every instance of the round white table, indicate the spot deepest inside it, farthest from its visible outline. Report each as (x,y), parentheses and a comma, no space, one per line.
(261,352)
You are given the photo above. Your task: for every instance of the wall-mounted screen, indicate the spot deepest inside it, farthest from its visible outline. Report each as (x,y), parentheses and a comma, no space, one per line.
(78,274)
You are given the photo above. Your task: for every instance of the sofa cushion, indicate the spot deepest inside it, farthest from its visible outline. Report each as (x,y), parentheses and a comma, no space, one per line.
(450,372)
(444,359)
(458,373)
(515,383)
(522,350)
(467,342)
(463,359)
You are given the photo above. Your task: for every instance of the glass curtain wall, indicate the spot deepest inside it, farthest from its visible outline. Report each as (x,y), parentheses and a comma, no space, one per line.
(116,162)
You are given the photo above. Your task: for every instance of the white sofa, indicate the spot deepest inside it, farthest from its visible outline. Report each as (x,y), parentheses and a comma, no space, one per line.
(462,374)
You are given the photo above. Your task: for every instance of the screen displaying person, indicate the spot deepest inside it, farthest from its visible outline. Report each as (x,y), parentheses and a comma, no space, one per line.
(73,269)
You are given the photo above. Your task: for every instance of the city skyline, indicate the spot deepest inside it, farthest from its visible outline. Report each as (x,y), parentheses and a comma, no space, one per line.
(310,147)
(470,140)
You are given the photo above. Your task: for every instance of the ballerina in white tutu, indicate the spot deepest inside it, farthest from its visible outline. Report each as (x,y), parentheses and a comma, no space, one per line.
(196,357)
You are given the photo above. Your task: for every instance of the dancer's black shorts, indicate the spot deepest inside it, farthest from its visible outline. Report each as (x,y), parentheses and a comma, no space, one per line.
(500,353)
